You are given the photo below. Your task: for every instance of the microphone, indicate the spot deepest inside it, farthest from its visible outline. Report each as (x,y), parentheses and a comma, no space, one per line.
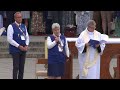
(57,37)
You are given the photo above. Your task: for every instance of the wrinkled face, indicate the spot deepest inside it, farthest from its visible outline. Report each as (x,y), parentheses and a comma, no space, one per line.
(91,28)
(56,31)
(18,18)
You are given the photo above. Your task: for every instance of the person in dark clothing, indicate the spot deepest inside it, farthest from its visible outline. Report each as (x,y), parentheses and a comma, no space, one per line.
(8,18)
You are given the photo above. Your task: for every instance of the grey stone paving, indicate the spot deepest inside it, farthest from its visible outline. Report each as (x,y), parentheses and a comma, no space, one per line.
(6,68)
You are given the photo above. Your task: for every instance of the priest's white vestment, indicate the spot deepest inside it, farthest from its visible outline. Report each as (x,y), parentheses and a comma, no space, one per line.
(93,70)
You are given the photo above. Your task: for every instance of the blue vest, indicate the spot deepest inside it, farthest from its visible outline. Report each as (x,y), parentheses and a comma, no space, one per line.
(54,56)
(17,37)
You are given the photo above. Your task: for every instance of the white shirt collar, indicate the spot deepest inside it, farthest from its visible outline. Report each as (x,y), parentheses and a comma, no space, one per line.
(90,32)
(17,23)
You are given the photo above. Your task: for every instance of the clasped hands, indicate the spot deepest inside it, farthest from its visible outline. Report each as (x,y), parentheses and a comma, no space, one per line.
(23,48)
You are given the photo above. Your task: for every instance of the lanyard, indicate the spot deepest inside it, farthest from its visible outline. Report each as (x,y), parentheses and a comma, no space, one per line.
(21,31)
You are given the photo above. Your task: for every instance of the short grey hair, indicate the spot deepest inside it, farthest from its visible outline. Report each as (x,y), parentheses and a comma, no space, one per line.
(55,25)
(91,22)
(17,13)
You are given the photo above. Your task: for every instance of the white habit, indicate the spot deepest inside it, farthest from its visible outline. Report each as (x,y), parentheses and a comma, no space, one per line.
(93,71)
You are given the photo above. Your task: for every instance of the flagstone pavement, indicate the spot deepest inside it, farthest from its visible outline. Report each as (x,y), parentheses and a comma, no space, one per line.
(31,67)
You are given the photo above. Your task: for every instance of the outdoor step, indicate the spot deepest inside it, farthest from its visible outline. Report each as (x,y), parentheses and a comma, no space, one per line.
(27,56)
(27,52)
(32,38)
(35,56)
(36,49)
(4,49)
(32,44)
(4,44)
(30,49)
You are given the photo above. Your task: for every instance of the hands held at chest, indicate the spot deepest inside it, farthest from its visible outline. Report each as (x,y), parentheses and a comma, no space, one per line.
(97,45)
(88,44)
(23,48)
(56,39)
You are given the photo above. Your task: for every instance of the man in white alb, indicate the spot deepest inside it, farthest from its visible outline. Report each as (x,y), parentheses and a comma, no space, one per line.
(89,56)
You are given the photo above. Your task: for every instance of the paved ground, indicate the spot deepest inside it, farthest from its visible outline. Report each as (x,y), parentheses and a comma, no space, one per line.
(6,68)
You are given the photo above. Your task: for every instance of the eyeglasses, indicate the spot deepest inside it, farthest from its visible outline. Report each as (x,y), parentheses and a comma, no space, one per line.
(91,27)
(18,17)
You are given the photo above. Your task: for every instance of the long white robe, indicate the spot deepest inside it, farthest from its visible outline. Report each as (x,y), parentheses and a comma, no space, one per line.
(94,71)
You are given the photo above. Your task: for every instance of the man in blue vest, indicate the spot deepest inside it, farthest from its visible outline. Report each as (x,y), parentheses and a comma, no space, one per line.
(18,39)
(58,52)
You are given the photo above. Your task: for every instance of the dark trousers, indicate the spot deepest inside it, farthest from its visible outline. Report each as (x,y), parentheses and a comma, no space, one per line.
(18,65)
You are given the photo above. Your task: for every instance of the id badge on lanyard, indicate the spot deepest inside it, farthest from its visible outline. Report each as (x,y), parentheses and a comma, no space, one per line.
(22,37)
